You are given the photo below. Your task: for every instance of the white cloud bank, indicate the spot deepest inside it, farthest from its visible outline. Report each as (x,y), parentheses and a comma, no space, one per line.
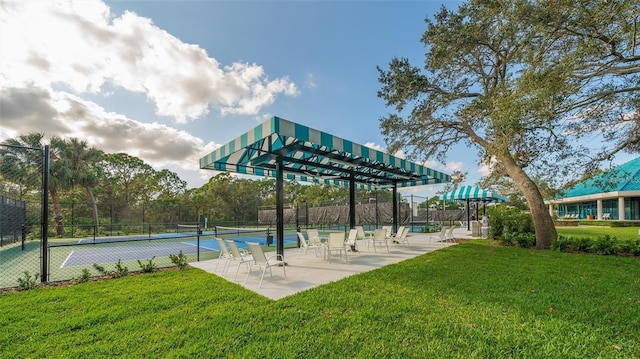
(56,55)
(82,45)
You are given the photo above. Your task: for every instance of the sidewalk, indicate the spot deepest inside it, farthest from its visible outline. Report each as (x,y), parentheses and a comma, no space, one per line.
(308,271)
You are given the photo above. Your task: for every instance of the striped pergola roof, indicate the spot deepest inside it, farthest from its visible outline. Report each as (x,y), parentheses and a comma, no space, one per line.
(314,156)
(474,194)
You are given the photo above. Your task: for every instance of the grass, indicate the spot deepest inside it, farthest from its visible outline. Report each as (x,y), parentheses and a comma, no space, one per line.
(621,233)
(472,300)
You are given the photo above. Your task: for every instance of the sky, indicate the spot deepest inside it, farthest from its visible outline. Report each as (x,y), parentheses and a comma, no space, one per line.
(170,81)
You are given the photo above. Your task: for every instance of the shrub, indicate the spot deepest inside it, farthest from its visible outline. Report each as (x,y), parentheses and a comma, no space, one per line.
(525,240)
(179,260)
(606,245)
(121,271)
(82,278)
(510,222)
(582,244)
(630,247)
(561,243)
(147,267)
(28,282)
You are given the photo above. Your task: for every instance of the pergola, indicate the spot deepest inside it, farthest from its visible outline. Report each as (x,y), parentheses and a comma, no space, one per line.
(473,194)
(286,150)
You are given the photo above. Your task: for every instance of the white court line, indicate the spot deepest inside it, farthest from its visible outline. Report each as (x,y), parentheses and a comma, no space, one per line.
(65,261)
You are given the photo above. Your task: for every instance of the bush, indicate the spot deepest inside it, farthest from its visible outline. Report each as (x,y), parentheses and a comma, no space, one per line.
(561,243)
(83,278)
(606,245)
(507,223)
(630,247)
(28,282)
(179,260)
(147,267)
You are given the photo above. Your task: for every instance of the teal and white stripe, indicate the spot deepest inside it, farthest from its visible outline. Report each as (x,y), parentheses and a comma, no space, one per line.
(315,156)
(473,193)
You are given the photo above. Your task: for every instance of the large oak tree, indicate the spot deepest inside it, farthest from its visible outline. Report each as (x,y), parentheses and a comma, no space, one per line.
(523,84)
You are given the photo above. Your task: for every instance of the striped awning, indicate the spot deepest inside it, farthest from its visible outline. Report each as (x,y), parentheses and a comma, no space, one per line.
(310,155)
(475,194)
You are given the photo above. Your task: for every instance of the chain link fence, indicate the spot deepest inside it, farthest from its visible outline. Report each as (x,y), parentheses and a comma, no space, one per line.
(21,215)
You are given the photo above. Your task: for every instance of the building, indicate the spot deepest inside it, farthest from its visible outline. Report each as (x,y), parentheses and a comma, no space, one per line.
(614,194)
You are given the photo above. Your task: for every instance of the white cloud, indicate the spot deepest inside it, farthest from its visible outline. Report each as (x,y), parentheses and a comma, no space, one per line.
(67,115)
(375,146)
(82,45)
(454,166)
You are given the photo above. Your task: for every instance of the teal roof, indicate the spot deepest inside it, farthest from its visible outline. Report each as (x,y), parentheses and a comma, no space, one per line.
(625,177)
(315,156)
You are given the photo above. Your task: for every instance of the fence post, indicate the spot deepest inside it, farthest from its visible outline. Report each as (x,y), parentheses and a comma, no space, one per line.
(44,245)
(24,235)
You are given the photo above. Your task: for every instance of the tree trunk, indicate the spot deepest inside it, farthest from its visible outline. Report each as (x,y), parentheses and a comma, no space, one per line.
(542,221)
(57,211)
(96,218)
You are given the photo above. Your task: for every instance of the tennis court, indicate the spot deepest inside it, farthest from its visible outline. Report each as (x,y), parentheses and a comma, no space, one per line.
(132,248)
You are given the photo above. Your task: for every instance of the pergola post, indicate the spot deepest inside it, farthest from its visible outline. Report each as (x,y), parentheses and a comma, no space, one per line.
(279,207)
(395,206)
(352,200)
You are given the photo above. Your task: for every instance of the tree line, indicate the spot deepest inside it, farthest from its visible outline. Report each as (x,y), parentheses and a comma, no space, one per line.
(115,185)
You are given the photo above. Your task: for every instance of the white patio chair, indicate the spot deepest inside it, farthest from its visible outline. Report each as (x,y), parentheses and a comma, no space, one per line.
(313,236)
(352,240)
(336,244)
(402,239)
(304,246)
(397,234)
(449,234)
(264,262)
(380,238)
(240,256)
(440,236)
(224,256)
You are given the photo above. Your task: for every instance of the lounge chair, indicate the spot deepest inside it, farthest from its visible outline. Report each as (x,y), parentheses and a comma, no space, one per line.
(336,244)
(440,236)
(264,262)
(362,234)
(397,234)
(240,256)
(304,246)
(402,238)
(380,238)
(352,240)
(449,234)
(225,256)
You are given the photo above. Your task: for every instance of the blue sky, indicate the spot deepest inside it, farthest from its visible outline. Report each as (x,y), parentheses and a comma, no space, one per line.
(169,81)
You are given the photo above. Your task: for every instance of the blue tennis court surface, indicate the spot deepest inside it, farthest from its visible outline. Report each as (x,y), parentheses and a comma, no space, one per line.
(148,249)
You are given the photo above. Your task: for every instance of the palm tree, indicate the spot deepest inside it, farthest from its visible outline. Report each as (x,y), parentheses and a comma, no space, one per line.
(20,166)
(82,164)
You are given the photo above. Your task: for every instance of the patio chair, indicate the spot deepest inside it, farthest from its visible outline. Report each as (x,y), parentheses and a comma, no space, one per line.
(449,234)
(304,246)
(440,236)
(388,230)
(397,234)
(402,238)
(225,255)
(362,234)
(352,240)
(380,238)
(241,256)
(264,262)
(336,244)
(314,237)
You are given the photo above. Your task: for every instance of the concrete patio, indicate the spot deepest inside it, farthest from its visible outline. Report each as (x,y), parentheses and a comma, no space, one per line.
(309,271)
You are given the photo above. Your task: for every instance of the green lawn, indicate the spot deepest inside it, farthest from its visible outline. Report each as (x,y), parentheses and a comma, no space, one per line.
(618,232)
(472,300)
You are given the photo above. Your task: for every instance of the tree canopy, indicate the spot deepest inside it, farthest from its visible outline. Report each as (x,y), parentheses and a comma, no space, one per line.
(524,83)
